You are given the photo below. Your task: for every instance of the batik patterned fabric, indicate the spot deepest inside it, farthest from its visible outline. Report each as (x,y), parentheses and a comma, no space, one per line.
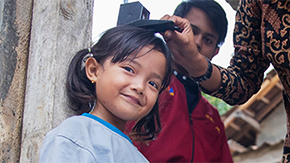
(261,37)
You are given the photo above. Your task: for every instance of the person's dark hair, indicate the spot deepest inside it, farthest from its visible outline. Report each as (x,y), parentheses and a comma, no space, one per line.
(118,43)
(213,10)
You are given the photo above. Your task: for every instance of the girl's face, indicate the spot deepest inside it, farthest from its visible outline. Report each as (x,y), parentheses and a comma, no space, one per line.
(128,90)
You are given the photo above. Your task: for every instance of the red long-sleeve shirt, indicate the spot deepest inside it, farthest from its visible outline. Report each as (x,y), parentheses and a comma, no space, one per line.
(185,137)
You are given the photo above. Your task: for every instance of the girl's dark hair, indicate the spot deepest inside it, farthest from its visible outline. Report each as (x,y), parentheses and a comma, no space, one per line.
(118,43)
(213,10)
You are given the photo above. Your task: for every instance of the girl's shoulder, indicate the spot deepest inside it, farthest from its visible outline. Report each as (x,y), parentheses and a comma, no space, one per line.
(71,128)
(85,133)
(74,122)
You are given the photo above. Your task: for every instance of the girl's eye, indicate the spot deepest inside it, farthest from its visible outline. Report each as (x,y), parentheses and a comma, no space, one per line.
(129,69)
(153,84)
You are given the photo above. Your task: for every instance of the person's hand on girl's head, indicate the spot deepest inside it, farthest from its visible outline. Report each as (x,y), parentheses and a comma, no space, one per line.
(181,44)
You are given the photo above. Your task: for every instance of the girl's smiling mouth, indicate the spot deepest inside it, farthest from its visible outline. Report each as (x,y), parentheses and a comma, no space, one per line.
(133,98)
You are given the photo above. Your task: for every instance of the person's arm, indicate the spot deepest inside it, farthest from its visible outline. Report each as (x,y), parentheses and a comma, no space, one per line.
(244,76)
(184,50)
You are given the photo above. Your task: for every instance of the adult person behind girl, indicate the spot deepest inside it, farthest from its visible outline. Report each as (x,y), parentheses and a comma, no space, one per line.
(117,80)
(261,37)
(192,130)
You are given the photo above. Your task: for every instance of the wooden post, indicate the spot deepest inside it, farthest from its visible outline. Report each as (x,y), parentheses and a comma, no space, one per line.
(15,24)
(59,29)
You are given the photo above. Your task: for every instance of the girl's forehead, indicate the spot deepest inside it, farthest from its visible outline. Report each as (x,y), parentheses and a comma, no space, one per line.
(139,52)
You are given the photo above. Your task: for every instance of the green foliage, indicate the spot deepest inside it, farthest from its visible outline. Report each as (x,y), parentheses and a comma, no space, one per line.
(218,103)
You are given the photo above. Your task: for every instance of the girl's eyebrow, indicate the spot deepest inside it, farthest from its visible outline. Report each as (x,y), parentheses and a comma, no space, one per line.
(135,62)
(157,76)
(154,74)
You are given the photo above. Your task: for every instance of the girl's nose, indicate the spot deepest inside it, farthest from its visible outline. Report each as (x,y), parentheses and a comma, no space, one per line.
(138,91)
(138,87)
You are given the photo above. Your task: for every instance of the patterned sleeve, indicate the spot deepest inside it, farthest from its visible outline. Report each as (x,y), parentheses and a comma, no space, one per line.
(245,74)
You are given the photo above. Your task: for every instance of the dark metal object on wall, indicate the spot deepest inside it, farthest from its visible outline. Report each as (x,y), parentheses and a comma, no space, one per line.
(130,12)
(136,14)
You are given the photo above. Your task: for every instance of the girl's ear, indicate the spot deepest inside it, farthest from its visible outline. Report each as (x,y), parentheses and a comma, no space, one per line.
(92,67)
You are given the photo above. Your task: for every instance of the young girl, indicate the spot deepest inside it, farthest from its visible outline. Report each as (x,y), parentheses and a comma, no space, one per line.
(117,80)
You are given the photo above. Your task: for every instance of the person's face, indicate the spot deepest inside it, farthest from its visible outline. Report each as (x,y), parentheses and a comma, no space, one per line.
(128,90)
(204,33)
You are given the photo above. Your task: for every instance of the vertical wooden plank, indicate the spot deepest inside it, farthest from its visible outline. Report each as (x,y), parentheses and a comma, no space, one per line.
(15,25)
(59,29)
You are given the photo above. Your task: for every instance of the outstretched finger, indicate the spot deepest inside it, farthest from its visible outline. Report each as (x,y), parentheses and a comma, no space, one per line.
(165,17)
(179,38)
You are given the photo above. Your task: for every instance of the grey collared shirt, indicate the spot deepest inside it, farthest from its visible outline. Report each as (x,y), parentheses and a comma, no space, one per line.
(88,139)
